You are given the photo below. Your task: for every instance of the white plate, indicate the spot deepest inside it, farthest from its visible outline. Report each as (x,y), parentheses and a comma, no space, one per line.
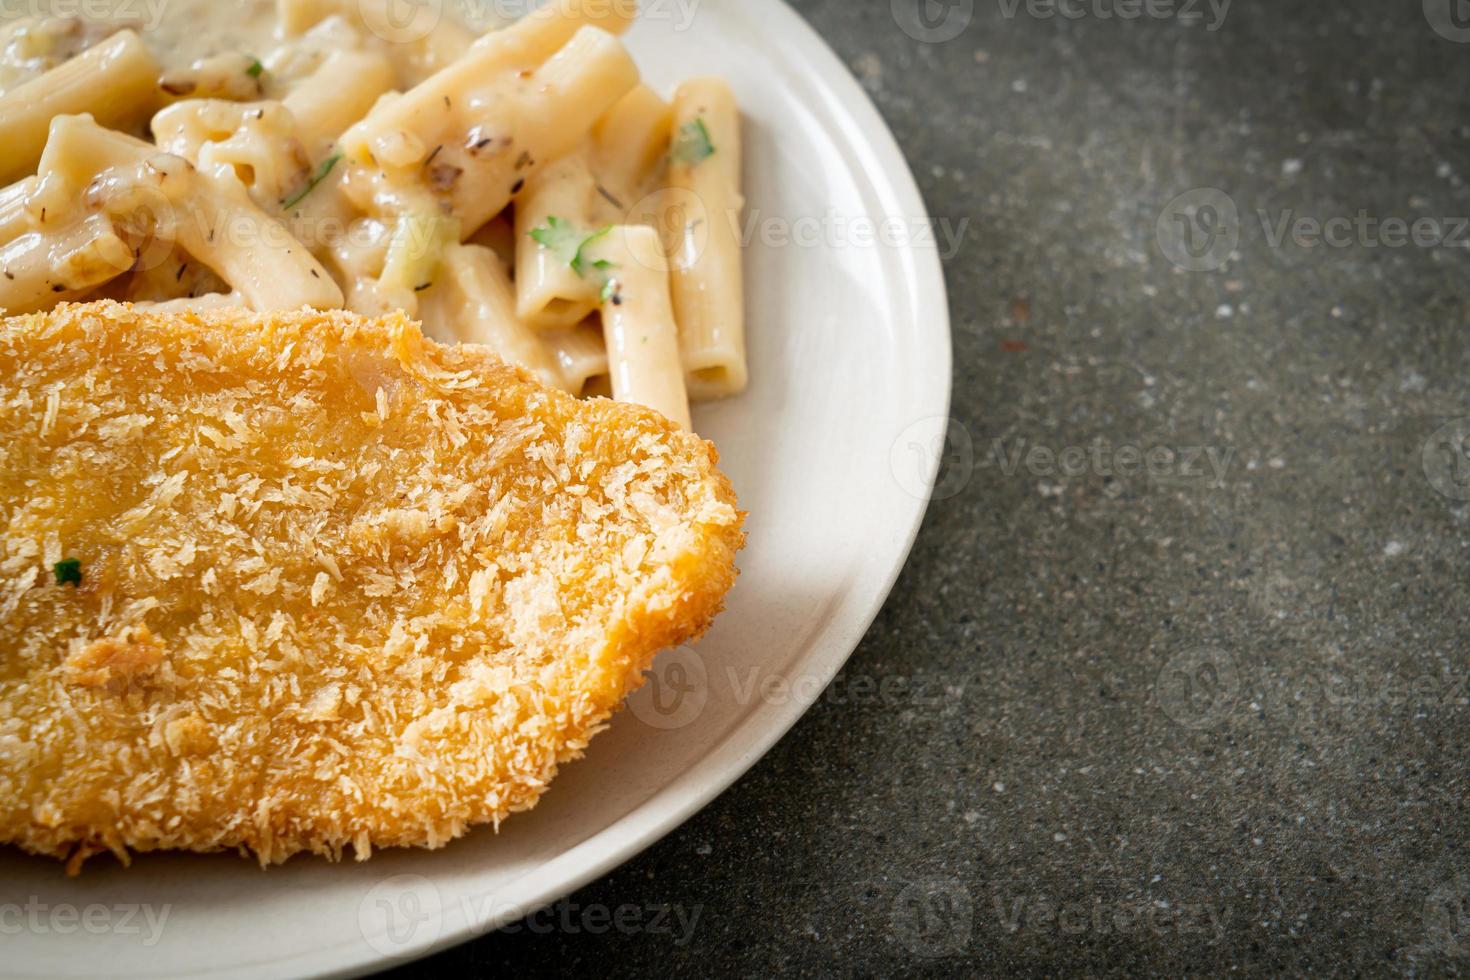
(833,451)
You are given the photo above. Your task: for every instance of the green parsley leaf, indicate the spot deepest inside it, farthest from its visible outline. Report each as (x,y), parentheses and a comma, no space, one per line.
(609,290)
(579,263)
(567,242)
(68,571)
(317,178)
(693,143)
(256,69)
(554,234)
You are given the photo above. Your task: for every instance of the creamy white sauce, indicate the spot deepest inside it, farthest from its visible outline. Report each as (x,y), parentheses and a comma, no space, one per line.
(186,30)
(179,32)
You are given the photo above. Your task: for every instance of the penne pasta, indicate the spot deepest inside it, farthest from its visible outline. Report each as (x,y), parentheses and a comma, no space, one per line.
(472,302)
(498,234)
(476,141)
(249,145)
(39,268)
(115,80)
(412,259)
(341,91)
(550,291)
(178,278)
(702,228)
(193,304)
(629,145)
(248,249)
(638,323)
(14,220)
(580,353)
(417,45)
(521,189)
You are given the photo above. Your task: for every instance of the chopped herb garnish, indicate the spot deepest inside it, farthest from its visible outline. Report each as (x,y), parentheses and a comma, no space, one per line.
(256,68)
(68,571)
(692,144)
(317,178)
(610,290)
(443,175)
(608,196)
(567,242)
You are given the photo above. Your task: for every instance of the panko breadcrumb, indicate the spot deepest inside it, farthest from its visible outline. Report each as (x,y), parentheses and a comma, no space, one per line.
(340,585)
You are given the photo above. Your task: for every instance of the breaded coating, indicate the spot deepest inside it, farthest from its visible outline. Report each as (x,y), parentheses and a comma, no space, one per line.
(338,584)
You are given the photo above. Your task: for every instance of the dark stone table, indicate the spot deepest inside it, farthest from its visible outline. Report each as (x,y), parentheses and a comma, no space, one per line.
(1184,637)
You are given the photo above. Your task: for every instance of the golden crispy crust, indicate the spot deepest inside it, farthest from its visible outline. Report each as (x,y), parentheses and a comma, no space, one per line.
(340,585)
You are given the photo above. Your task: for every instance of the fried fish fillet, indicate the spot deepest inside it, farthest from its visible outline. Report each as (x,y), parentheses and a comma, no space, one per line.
(339,585)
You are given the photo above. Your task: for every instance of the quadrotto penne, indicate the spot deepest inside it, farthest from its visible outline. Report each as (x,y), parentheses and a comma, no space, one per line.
(702,222)
(522,188)
(638,323)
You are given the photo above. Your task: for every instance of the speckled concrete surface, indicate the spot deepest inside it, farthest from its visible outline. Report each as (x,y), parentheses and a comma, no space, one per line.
(1192,696)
